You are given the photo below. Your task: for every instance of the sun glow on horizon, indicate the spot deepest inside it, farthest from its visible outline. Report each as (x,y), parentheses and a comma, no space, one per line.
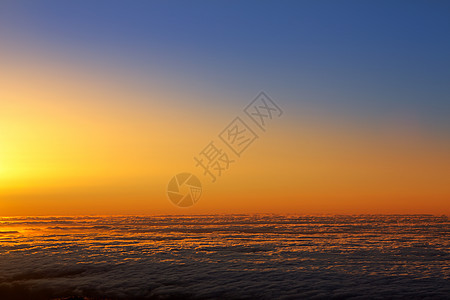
(73,145)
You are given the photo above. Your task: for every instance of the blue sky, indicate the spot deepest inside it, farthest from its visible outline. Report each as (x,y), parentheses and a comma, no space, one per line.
(363,58)
(119,96)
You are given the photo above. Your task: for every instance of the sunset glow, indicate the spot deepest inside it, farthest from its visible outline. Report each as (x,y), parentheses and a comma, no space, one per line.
(75,142)
(270,150)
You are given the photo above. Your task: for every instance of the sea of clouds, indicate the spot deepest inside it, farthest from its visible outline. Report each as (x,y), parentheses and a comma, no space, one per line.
(225,257)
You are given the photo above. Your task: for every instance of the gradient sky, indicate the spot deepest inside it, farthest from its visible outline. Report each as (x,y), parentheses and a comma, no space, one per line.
(102,103)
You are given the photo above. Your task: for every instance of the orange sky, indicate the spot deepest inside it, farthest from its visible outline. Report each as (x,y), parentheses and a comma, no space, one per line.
(77,139)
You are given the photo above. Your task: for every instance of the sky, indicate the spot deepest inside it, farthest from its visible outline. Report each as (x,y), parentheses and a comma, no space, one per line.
(101,104)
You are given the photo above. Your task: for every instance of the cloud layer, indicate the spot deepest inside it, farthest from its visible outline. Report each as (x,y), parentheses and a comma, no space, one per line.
(217,257)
